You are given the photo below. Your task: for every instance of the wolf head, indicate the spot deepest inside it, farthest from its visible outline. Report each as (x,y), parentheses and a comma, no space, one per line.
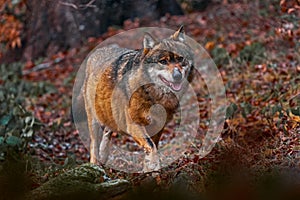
(169,61)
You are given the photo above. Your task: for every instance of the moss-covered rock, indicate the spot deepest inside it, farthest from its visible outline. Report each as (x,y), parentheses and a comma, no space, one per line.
(87,181)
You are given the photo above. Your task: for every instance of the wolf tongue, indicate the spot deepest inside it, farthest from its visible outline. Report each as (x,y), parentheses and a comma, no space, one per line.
(176,86)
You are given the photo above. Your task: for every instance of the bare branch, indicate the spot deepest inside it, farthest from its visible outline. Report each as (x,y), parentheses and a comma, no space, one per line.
(89,4)
(42,66)
(69,4)
(81,6)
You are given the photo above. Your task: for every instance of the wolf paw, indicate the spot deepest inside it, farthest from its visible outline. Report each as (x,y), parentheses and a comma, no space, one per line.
(151,162)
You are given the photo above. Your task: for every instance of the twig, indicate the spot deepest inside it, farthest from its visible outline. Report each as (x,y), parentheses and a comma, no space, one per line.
(293,96)
(89,4)
(81,6)
(69,4)
(42,66)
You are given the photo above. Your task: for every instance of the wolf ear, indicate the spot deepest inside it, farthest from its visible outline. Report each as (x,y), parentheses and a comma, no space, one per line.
(148,42)
(179,34)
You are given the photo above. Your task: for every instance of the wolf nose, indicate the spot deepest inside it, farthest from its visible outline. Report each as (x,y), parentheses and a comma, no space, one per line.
(177,76)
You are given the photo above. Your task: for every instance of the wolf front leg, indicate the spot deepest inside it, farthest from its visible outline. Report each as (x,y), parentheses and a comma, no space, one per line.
(139,134)
(151,162)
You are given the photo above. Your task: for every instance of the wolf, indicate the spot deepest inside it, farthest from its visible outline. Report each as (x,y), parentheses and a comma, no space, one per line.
(122,86)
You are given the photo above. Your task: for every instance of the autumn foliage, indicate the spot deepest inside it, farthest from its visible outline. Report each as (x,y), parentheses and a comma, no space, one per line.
(290,6)
(255,45)
(11,26)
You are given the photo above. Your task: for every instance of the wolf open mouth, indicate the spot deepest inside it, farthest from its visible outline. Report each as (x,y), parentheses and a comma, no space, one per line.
(176,86)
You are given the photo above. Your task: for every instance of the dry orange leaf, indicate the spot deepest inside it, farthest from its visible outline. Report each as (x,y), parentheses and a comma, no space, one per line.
(294,119)
(210,45)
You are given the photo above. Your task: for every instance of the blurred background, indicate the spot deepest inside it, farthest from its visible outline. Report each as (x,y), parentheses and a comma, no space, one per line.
(255,45)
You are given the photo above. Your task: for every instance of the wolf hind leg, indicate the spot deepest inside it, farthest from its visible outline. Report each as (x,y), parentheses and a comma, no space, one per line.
(93,124)
(104,145)
(94,129)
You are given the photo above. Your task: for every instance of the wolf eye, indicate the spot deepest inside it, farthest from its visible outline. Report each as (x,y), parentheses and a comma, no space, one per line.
(163,61)
(180,59)
(185,63)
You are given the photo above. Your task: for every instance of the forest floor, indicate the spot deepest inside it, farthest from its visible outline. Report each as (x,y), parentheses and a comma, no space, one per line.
(257,51)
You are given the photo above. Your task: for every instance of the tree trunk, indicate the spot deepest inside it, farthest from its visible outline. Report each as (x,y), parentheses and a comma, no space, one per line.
(57,25)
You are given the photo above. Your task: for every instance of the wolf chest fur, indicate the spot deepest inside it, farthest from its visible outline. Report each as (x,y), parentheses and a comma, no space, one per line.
(122,86)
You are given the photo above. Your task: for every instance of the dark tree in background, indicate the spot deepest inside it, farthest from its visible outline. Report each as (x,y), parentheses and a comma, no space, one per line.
(60,24)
